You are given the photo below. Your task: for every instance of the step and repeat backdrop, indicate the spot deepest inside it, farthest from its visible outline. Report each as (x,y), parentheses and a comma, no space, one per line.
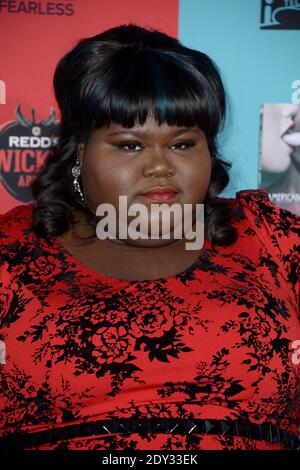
(255,43)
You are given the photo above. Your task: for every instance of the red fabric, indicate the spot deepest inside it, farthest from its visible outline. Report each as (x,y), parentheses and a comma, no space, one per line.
(211,342)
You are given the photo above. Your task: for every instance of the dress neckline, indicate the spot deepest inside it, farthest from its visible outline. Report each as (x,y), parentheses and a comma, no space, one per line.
(114,280)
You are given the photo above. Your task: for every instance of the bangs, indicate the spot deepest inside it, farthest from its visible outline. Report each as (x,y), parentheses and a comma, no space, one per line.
(138,84)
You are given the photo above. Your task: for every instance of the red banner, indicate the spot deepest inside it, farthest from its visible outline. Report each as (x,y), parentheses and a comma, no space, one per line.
(34,35)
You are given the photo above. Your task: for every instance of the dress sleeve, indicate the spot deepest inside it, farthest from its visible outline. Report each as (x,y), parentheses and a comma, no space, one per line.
(5,297)
(12,225)
(279,231)
(7,288)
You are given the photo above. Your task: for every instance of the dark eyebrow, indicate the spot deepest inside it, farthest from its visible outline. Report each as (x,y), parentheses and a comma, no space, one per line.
(138,132)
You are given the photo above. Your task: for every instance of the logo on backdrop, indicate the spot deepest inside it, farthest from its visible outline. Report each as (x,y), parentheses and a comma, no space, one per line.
(280,14)
(61,8)
(24,145)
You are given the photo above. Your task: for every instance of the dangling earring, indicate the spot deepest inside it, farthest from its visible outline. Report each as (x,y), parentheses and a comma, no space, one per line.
(76,173)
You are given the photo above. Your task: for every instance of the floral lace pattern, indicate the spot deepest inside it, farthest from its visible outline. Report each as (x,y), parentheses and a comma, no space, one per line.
(211,342)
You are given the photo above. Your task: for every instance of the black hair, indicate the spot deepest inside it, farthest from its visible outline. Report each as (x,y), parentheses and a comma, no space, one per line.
(120,75)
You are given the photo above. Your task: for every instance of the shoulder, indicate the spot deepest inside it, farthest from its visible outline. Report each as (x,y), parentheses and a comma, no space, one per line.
(15,224)
(255,206)
(279,223)
(278,230)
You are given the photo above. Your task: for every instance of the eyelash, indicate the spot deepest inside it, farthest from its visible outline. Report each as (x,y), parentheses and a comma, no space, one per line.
(187,143)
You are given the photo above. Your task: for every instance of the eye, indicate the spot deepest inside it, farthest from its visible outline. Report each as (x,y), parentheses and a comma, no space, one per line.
(122,145)
(130,145)
(187,143)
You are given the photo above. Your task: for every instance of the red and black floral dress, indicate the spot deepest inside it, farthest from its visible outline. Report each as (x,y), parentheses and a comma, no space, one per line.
(214,342)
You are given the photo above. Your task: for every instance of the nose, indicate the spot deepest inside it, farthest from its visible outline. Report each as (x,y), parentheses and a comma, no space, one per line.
(158,164)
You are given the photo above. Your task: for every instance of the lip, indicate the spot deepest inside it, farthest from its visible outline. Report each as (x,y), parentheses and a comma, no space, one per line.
(288,145)
(288,130)
(160,190)
(292,139)
(161,193)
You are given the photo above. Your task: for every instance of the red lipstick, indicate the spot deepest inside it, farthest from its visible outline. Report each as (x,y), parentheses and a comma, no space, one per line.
(161,193)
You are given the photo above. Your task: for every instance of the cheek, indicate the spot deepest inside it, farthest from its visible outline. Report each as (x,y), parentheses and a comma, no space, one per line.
(197,179)
(107,180)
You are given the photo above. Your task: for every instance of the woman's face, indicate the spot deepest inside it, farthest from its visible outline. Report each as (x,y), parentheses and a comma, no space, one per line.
(292,135)
(278,118)
(119,161)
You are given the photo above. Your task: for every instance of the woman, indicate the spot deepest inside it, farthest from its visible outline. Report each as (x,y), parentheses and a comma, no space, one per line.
(140,343)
